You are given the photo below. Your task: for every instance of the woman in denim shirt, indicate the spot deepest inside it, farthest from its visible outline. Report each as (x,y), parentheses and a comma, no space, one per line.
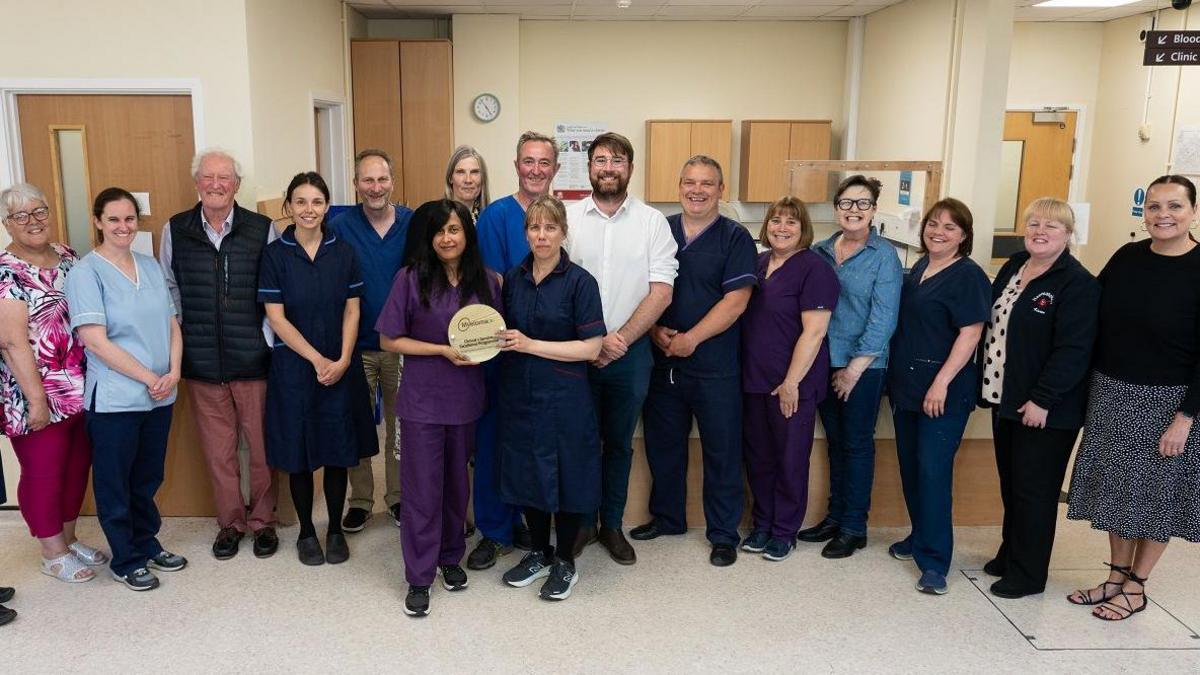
(870,274)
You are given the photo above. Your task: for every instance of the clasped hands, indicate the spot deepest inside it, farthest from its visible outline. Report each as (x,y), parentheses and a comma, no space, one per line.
(673,342)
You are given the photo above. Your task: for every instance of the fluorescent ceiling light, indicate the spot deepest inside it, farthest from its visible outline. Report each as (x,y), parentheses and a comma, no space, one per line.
(1085,3)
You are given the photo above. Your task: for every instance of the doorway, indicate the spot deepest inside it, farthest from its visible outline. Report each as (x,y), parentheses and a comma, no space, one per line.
(72,146)
(1037,160)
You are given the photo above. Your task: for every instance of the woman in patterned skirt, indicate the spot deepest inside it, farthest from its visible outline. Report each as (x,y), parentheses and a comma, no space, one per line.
(1137,474)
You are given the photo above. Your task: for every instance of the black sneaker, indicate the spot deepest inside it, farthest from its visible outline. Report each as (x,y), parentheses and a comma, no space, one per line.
(395,509)
(7,615)
(562,579)
(166,561)
(485,554)
(453,577)
(532,567)
(355,520)
(416,603)
(140,579)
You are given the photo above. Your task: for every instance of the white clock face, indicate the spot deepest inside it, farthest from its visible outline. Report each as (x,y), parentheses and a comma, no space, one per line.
(486,107)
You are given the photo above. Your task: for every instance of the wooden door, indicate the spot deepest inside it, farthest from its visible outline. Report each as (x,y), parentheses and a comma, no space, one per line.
(715,139)
(427,95)
(1046,164)
(811,140)
(375,79)
(142,143)
(668,146)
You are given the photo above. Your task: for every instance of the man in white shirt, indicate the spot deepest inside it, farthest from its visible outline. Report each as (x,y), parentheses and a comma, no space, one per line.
(629,248)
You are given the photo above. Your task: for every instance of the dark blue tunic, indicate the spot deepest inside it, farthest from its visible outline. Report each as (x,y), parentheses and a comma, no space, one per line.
(549,445)
(309,425)
(931,315)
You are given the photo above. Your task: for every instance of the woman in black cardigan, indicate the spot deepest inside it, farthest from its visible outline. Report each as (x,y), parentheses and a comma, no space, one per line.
(1035,357)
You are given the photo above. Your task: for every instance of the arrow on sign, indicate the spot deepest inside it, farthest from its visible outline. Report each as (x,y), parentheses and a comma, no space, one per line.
(1162,39)
(1158,58)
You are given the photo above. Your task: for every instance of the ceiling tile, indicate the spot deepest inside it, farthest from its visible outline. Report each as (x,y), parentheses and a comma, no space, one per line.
(791,12)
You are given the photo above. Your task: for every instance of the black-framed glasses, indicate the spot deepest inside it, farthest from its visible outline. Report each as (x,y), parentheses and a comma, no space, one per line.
(23,218)
(847,204)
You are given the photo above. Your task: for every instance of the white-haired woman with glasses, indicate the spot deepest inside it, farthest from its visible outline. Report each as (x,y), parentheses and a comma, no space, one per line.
(41,384)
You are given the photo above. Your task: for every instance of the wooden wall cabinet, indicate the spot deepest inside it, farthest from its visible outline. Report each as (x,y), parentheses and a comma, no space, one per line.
(669,143)
(403,92)
(767,144)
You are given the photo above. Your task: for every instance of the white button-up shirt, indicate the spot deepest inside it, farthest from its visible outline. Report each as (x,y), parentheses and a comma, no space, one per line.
(626,253)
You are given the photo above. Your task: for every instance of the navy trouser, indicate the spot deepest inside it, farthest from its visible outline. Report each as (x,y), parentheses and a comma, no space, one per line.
(926,447)
(716,403)
(619,389)
(850,436)
(493,517)
(128,453)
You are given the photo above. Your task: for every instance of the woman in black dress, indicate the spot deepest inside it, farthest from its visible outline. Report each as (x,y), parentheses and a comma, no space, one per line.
(1137,472)
(318,406)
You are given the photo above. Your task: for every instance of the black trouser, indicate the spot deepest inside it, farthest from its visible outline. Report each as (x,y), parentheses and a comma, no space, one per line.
(1031,463)
(566,528)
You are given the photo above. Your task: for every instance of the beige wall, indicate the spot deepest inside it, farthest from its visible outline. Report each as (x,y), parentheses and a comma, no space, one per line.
(487,53)
(296,52)
(907,55)
(1120,161)
(633,71)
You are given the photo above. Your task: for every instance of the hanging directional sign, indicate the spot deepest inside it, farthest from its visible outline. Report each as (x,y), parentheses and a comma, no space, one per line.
(1172,48)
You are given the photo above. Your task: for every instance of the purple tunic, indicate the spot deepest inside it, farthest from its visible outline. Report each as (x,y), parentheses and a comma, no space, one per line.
(771,324)
(433,390)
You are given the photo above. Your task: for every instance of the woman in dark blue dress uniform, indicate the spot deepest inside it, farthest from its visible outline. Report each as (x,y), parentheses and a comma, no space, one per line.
(549,445)
(318,407)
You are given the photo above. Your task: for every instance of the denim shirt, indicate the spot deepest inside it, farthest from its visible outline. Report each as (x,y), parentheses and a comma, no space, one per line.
(869,302)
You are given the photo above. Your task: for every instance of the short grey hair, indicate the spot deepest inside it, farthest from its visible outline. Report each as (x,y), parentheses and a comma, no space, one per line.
(215,152)
(703,160)
(12,199)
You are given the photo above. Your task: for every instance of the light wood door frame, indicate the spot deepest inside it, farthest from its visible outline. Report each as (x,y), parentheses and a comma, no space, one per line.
(339,178)
(11,167)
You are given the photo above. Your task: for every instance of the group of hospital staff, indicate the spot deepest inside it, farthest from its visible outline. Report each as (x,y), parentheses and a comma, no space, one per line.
(613,313)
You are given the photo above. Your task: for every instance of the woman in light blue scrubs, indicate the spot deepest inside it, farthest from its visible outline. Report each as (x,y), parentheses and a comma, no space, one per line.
(123,312)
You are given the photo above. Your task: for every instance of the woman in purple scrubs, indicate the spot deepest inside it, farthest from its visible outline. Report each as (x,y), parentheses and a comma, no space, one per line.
(785,368)
(441,396)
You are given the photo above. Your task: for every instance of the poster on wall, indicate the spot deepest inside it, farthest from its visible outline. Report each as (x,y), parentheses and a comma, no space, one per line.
(574,138)
(1186,156)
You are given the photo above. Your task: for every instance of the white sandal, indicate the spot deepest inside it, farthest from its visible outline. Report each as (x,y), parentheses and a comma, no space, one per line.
(68,570)
(92,557)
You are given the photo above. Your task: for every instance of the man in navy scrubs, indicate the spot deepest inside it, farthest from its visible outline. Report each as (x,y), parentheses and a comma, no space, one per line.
(502,243)
(696,370)
(377,230)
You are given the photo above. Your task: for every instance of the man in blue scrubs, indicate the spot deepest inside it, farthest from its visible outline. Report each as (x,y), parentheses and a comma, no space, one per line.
(377,230)
(696,370)
(501,231)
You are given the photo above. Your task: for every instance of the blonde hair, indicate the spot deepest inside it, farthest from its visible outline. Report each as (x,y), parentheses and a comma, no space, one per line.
(1054,209)
(551,207)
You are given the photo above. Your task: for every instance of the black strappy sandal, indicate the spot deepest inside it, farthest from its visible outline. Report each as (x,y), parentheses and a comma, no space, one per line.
(1128,610)
(1105,597)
